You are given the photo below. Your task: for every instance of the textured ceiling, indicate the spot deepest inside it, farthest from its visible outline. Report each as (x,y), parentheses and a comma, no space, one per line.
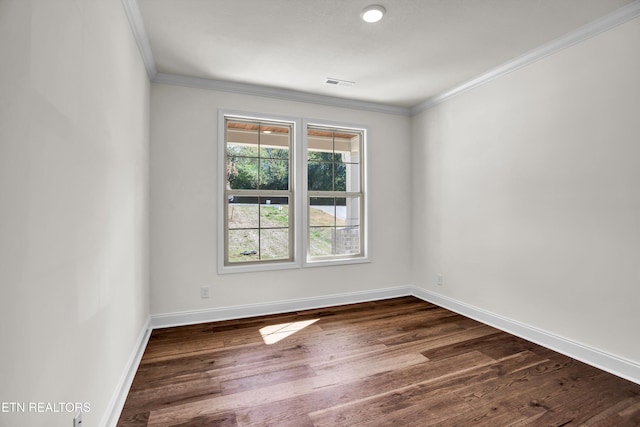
(420,49)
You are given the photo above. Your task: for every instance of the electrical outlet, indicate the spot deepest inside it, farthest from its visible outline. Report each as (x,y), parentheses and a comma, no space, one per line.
(439,280)
(77,420)
(204,292)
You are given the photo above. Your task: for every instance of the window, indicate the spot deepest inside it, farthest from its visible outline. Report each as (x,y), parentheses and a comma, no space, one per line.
(335,197)
(259,191)
(288,201)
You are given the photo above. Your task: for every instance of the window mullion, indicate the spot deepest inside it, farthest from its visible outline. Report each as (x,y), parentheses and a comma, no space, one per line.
(333,194)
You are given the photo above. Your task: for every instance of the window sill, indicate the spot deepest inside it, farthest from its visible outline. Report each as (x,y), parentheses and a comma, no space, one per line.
(254,268)
(331,262)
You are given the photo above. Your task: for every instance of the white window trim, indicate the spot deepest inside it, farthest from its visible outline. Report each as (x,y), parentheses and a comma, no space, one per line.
(297,223)
(300,191)
(305,196)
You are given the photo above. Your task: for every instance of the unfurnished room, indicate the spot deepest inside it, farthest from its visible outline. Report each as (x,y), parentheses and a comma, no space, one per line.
(299,213)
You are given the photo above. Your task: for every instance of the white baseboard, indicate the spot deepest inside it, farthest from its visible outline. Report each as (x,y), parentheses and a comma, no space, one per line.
(242,311)
(589,355)
(114,409)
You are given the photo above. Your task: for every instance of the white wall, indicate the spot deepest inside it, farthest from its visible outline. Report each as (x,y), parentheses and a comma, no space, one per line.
(527,194)
(184,206)
(73,204)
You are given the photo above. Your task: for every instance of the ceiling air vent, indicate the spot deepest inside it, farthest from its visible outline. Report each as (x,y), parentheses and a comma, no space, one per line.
(338,82)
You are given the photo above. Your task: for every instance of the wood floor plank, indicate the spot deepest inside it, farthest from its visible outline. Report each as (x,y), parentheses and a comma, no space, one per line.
(217,420)
(177,349)
(263,379)
(419,346)
(179,390)
(421,396)
(338,374)
(456,369)
(132,417)
(396,362)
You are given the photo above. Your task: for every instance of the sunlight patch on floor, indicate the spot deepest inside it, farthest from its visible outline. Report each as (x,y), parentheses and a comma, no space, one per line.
(274,333)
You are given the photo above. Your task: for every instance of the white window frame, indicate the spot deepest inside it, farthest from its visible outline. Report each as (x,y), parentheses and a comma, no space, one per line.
(295,179)
(364,219)
(300,207)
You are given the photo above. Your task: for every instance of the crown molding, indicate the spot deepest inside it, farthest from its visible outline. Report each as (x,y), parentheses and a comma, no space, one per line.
(132,10)
(272,92)
(606,22)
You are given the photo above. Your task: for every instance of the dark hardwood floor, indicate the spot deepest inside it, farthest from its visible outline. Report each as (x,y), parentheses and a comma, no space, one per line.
(397,362)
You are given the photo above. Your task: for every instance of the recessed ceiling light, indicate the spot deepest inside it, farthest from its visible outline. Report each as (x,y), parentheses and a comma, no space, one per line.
(372,13)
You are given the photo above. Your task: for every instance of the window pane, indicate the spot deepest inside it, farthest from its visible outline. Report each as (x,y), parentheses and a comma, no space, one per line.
(274,212)
(274,141)
(243,212)
(341,157)
(347,177)
(347,240)
(340,177)
(243,245)
(320,241)
(242,173)
(347,146)
(320,176)
(319,140)
(348,211)
(320,156)
(274,153)
(274,174)
(242,139)
(242,150)
(274,244)
(322,211)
